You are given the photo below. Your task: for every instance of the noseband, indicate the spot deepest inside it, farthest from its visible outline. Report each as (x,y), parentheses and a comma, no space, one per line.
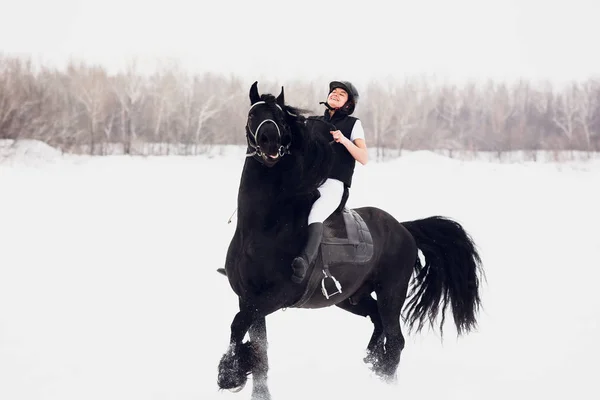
(283,150)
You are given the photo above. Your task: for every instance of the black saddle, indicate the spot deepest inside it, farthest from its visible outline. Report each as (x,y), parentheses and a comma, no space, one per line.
(356,246)
(346,241)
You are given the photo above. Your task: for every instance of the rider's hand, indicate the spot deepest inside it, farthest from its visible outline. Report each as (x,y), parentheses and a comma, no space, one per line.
(338,136)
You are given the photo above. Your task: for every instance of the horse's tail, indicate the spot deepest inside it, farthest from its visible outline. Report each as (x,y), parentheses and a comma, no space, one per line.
(450,274)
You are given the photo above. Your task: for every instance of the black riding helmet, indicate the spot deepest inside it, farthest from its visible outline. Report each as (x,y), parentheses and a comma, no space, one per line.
(352,94)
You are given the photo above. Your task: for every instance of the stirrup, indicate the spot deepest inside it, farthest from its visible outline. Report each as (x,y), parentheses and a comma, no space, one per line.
(335,281)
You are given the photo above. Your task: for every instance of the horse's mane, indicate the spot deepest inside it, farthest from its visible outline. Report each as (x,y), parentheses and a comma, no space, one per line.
(311,153)
(308,165)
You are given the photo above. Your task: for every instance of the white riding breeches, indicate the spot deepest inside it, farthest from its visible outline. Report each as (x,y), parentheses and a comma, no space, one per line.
(332,191)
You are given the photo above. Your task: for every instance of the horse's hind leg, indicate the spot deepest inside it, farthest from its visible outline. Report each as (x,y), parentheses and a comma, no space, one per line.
(367,307)
(258,336)
(390,300)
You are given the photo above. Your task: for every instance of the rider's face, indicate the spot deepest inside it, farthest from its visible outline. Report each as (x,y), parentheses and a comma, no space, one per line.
(337,98)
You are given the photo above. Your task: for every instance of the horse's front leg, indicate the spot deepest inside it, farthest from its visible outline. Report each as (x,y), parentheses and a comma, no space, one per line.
(236,363)
(241,359)
(258,339)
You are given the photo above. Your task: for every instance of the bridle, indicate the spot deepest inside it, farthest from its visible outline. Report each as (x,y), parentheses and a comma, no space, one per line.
(283,150)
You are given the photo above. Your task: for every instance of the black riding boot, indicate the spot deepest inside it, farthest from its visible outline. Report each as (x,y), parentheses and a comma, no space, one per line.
(308,256)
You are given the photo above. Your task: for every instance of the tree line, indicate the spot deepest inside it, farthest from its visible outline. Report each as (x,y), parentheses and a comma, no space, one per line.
(84,109)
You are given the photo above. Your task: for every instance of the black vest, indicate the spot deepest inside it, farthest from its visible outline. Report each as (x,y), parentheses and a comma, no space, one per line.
(343,163)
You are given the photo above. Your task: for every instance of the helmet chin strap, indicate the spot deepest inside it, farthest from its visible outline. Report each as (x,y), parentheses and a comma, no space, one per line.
(327,105)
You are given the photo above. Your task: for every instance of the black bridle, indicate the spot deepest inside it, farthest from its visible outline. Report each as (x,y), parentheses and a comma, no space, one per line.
(252,139)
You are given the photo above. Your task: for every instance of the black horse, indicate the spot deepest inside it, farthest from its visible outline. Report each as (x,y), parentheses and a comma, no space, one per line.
(364,251)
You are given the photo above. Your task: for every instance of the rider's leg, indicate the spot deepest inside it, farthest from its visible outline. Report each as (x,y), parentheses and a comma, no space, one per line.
(331,192)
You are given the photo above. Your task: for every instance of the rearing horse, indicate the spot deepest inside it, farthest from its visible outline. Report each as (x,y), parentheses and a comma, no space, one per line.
(363,251)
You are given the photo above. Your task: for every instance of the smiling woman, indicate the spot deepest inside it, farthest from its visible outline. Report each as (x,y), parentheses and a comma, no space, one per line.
(349,147)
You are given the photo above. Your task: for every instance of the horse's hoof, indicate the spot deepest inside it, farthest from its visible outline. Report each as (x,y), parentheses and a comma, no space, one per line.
(237,389)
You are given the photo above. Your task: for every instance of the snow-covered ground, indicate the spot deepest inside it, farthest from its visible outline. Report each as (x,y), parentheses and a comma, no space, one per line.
(108,287)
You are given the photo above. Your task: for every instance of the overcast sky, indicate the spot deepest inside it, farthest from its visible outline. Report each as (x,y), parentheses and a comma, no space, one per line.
(359,40)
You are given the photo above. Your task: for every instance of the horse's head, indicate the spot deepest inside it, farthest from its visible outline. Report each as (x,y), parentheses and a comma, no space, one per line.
(267,129)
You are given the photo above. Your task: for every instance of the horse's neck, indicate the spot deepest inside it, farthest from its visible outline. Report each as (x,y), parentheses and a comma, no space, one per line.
(259,192)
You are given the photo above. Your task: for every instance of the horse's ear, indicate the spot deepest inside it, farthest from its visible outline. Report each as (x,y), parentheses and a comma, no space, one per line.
(280,99)
(254,96)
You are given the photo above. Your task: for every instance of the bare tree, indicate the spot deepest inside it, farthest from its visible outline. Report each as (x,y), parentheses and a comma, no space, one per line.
(587,113)
(7,97)
(128,88)
(406,101)
(199,103)
(448,129)
(565,113)
(89,86)
(379,113)
(472,118)
(501,108)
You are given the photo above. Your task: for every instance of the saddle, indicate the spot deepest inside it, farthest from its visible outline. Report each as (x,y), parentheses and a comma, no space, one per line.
(348,244)
(355,247)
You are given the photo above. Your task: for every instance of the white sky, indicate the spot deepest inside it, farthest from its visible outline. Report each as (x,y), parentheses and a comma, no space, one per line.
(357,40)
